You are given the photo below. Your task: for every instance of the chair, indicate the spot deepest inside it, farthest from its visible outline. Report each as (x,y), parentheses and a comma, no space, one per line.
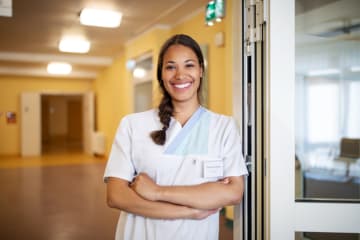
(350,148)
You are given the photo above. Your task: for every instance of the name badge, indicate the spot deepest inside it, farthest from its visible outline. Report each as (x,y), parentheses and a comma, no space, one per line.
(213,169)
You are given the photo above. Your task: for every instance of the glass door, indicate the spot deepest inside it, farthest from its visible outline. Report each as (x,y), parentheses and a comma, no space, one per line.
(313,144)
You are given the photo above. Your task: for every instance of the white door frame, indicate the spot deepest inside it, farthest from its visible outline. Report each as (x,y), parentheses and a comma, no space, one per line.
(31,121)
(285,215)
(237,13)
(30,124)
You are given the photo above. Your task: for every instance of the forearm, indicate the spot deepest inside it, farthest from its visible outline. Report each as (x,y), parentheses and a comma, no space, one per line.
(204,196)
(120,196)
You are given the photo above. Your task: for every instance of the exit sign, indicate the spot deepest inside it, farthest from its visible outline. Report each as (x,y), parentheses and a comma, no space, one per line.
(215,11)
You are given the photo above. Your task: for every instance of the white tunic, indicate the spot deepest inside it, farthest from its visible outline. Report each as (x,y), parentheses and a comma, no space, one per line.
(207,148)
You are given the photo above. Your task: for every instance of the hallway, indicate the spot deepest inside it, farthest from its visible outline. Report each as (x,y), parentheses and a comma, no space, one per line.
(57,197)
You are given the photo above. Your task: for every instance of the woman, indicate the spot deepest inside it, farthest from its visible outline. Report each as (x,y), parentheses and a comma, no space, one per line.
(171,169)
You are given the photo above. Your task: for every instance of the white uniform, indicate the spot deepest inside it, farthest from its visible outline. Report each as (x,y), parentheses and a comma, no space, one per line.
(207,148)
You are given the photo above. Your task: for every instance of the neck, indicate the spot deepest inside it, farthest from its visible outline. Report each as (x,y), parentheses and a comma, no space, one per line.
(183,111)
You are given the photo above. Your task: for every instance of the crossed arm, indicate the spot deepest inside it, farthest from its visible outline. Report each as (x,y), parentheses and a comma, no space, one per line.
(144,197)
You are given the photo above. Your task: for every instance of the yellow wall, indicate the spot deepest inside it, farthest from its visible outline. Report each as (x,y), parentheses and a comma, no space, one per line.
(10,90)
(112,98)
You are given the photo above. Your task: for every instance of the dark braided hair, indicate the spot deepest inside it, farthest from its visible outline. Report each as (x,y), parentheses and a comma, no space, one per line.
(166,107)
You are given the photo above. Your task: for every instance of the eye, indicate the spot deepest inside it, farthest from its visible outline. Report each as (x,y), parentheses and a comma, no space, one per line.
(190,65)
(169,67)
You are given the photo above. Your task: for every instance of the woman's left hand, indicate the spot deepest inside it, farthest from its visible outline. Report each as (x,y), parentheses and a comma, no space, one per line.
(143,185)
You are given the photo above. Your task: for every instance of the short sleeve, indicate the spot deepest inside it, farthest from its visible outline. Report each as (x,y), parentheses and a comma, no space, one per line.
(233,158)
(120,164)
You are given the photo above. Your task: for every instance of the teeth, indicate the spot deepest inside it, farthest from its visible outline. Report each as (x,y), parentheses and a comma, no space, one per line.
(184,85)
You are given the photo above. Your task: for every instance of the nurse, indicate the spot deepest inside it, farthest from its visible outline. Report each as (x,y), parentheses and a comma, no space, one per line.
(171,169)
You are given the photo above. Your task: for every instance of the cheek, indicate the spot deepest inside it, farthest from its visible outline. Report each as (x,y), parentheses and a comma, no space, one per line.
(166,75)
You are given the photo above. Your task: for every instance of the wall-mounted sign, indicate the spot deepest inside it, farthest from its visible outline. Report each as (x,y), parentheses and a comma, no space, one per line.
(215,11)
(10,117)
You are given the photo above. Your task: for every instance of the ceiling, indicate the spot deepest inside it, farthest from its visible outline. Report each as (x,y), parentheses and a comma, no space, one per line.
(328,36)
(29,39)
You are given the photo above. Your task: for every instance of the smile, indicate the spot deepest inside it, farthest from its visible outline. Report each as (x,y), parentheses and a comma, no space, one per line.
(183,85)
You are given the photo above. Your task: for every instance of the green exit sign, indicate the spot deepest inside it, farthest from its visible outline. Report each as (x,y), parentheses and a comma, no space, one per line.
(215,11)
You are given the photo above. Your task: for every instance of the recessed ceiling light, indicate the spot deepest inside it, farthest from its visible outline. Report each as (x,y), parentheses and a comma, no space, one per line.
(59,68)
(323,72)
(74,45)
(100,18)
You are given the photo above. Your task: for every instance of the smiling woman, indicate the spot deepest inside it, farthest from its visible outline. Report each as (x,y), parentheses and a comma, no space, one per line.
(172,169)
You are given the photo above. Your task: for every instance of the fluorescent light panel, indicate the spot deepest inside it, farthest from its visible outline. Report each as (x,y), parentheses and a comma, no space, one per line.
(59,68)
(74,45)
(100,18)
(323,72)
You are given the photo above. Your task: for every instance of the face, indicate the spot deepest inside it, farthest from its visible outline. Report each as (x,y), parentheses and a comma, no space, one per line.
(181,74)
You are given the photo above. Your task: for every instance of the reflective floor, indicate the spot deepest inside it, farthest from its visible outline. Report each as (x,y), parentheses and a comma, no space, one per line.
(58,197)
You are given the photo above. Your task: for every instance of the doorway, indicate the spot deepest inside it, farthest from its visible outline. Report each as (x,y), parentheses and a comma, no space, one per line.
(62,124)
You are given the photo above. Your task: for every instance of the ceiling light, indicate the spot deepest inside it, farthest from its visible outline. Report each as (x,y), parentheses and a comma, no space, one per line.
(6,8)
(59,68)
(355,69)
(139,72)
(323,72)
(100,18)
(74,45)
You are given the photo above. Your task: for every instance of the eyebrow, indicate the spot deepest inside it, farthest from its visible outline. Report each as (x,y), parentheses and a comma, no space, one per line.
(186,61)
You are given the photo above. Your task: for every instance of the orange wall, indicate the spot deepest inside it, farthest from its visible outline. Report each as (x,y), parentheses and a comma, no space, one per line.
(10,90)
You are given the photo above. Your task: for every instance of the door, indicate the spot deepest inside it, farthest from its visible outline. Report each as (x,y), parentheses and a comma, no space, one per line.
(74,120)
(303,218)
(30,124)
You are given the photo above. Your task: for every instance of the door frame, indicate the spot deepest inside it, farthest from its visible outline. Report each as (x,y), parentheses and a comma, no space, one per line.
(31,113)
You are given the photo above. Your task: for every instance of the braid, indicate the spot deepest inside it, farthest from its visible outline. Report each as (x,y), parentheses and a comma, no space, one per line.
(165,113)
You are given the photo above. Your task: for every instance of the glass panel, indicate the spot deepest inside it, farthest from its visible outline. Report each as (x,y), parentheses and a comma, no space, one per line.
(326,236)
(327,91)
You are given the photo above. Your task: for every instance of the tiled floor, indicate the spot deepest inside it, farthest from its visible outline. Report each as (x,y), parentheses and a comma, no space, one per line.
(57,197)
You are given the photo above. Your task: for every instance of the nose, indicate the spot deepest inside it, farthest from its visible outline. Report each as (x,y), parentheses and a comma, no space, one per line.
(179,75)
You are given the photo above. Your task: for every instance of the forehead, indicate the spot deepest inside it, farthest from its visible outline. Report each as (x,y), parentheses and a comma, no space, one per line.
(179,51)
